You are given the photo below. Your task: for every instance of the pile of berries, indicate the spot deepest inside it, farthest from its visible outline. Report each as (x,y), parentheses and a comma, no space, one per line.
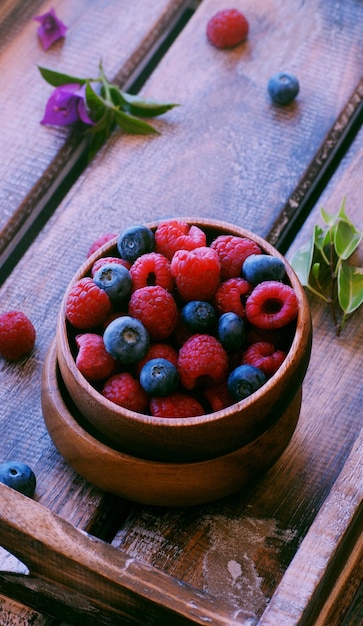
(178,324)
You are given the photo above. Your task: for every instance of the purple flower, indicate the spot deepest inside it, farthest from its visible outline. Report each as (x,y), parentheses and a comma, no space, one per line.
(66,106)
(51,28)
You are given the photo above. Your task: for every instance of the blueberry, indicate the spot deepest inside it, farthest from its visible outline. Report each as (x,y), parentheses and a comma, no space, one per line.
(244,380)
(231,331)
(283,87)
(159,377)
(199,316)
(126,339)
(115,280)
(19,476)
(135,241)
(259,267)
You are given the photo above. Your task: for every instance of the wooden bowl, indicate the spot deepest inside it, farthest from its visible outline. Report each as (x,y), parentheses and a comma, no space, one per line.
(194,438)
(154,482)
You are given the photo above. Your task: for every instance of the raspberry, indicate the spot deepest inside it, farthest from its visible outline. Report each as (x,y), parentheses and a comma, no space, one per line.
(196,273)
(17,335)
(218,396)
(126,391)
(156,309)
(152,269)
(158,351)
(264,356)
(174,235)
(230,296)
(108,259)
(227,28)
(271,305)
(232,251)
(100,242)
(176,405)
(87,305)
(202,361)
(93,361)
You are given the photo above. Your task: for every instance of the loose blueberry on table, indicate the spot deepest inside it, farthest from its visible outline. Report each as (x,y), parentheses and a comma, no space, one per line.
(18,476)
(202,323)
(283,87)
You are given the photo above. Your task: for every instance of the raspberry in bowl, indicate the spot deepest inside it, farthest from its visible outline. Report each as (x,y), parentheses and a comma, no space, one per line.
(203,361)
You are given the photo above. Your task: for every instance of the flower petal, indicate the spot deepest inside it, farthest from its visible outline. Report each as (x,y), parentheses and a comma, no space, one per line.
(51,28)
(62,106)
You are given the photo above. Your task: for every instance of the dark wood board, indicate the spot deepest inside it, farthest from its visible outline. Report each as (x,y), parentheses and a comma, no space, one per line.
(244,547)
(35,158)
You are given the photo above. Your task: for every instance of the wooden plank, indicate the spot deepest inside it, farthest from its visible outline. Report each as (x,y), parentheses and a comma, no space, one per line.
(16,614)
(314,491)
(238,548)
(35,159)
(61,554)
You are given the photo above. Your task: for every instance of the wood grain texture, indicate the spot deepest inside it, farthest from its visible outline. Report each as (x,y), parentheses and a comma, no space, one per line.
(124,587)
(262,529)
(240,549)
(35,157)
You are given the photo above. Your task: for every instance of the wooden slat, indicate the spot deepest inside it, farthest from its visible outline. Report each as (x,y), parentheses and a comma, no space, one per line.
(35,158)
(239,548)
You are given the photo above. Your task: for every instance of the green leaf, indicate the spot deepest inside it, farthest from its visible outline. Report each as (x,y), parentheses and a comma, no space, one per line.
(94,102)
(350,287)
(133,124)
(316,270)
(346,239)
(301,261)
(328,218)
(143,107)
(319,237)
(56,79)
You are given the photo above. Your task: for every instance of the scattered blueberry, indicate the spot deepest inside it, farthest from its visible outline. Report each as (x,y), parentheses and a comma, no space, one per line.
(19,476)
(259,267)
(231,331)
(159,377)
(126,339)
(199,316)
(244,380)
(283,87)
(135,241)
(116,281)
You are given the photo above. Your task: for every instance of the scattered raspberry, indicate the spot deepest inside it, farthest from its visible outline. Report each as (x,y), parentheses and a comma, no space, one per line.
(108,259)
(264,356)
(87,306)
(196,273)
(231,295)
(218,396)
(93,361)
(175,235)
(227,28)
(271,305)
(176,405)
(126,391)
(151,269)
(156,309)
(202,361)
(100,242)
(232,251)
(158,351)
(17,335)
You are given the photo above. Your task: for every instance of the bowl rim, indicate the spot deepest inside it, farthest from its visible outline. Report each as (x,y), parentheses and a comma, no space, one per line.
(301,336)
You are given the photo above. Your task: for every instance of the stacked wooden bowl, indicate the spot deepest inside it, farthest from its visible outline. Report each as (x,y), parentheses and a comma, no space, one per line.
(173,461)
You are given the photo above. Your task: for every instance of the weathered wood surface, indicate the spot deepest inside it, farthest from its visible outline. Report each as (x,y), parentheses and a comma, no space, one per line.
(35,158)
(242,548)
